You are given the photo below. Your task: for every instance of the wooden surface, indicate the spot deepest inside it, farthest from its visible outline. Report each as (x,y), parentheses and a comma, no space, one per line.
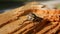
(14,22)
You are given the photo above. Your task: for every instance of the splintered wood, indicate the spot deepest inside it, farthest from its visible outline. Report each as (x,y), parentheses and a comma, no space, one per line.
(16,22)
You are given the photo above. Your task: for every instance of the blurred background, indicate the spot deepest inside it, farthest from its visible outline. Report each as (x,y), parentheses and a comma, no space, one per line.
(10,4)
